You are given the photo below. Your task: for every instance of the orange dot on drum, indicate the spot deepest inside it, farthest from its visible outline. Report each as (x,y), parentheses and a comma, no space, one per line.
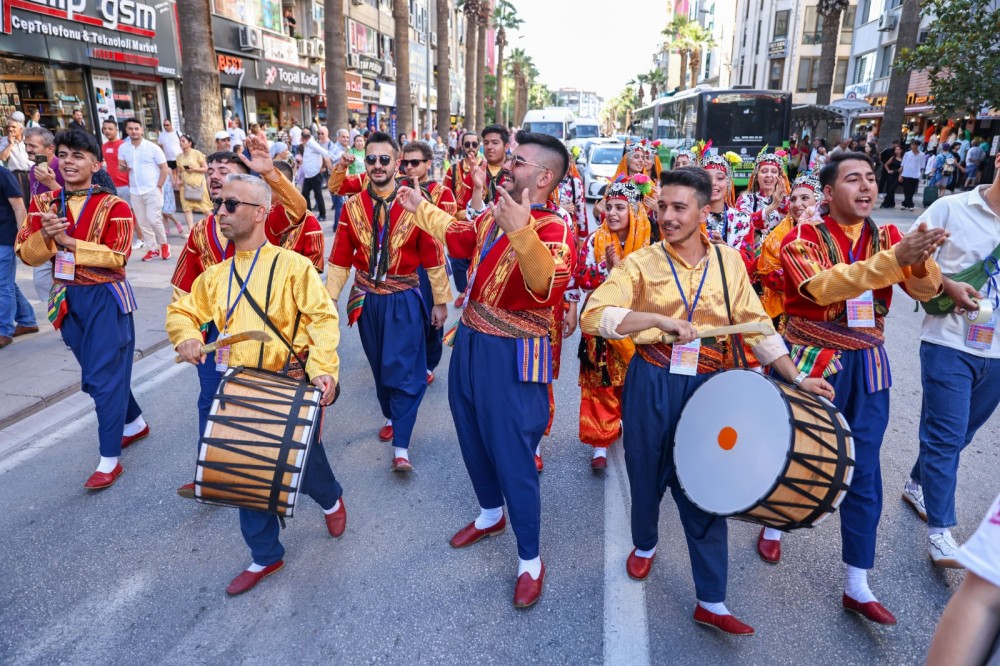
(727,438)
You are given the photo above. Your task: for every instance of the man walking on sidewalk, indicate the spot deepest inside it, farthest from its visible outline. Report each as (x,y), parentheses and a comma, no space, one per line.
(16,314)
(913,166)
(147,170)
(314,159)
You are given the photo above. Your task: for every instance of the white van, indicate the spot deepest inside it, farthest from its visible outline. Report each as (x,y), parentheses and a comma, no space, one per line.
(553,120)
(583,129)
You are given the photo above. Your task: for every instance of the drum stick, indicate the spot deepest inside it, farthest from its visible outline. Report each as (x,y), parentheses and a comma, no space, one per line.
(229,340)
(753,327)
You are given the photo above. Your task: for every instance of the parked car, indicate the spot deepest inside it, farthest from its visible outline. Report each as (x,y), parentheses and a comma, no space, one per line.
(598,167)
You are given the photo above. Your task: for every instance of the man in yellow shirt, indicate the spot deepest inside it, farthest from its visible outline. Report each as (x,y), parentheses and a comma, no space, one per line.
(287,288)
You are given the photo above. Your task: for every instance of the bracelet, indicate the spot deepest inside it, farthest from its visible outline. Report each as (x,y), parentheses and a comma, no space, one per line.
(799,378)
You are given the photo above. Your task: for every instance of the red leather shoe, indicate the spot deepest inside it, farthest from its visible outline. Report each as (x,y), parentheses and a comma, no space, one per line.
(599,464)
(539,465)
(870,610)
(725,623)
(527,591)
(102,480)
(460,301)
(768,549)
(430,377)
(247,580)
(638,567)
(186,491)
(402,465)
(129,440)
(385,434)
(336,522)
(470,534)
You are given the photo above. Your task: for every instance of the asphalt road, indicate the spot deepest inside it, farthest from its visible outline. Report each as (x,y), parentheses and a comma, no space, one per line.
(136,575)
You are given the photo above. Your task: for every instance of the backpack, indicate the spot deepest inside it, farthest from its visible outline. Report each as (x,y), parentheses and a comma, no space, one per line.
(949,165)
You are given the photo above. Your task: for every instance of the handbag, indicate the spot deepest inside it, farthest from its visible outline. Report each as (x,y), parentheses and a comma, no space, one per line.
(193,192)
(975,275)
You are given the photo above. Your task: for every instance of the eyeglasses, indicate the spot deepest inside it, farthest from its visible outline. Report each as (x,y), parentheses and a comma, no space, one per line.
(411,163)
(384,160)
(517,160)
(232,204)
(470,144)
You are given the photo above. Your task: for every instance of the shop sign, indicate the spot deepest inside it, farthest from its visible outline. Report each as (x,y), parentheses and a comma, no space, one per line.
(120,15)
(105,96)
(230,65)
(777,49)
(280,49)
(858,90)
(368,93)
(355,90)
(295,80)
(369,66)
(387,94)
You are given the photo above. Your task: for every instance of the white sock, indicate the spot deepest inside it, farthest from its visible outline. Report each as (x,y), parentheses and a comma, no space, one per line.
(107,465)
(488,517)
(718,609)
(429,373)
(600,453)
(255,568)
(856,586)
(538,450)
(531,567)
(388,422)
(931,531)
(402,453)
(772,534)
(135,427)
(646,553)
(912,486)
(332,509)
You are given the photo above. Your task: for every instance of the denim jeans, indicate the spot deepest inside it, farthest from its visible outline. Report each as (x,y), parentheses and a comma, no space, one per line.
(14,307)
(960,393)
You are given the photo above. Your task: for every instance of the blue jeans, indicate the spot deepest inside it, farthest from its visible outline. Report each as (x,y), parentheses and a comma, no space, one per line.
(338,205)
(14,307)
(961,391)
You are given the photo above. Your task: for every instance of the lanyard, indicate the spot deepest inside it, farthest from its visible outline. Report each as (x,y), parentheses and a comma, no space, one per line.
(214,237)
(861,238)
(992,268)
(694,304)
(66,210)
(246,281)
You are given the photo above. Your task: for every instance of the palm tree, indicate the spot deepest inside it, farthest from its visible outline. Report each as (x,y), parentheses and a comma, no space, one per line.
(688,38)
(899,83)
(656,81)
(202,94)
(471,10)
(483,22)
(401,17)
(700,39)
(524,72)
(504,18)
(336,79)
(443,8)
(831,11)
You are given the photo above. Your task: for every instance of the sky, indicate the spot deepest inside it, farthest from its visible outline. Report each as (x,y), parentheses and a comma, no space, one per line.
(587,44)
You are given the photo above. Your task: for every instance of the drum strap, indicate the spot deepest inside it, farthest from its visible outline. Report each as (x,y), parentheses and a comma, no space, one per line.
(267,320)
(739,357)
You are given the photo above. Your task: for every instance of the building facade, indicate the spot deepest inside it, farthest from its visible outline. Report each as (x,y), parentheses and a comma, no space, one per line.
(583,103)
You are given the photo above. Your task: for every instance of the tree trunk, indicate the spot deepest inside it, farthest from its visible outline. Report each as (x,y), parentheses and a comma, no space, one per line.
(695,64)
(336,64)
(828,54)
(481,67)
(684,69)
(202,103)
(471,35)
(443,68)
(401,17)
(899,82)
(501,43)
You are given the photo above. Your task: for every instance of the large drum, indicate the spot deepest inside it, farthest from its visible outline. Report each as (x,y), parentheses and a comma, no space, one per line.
(255,446)
(759,450)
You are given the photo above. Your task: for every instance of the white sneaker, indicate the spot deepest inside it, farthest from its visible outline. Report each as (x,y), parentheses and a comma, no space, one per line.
(944,551)
(915,498)
(137,244)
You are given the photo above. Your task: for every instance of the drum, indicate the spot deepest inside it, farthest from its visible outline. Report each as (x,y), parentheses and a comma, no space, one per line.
(759,450)
(254,448)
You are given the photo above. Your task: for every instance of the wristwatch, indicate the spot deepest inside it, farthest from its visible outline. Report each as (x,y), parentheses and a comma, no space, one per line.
(799,378)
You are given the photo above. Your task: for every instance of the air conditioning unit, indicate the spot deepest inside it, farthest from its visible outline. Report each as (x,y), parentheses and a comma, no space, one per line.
(303,47)
(886,22)
(434,39)
(389,72)
(319,48)
(250,39)
(353,61)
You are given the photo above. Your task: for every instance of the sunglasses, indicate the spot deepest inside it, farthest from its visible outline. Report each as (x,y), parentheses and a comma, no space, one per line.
(232,204)
(470,144)
(411,163)
(517,160)
(384,160)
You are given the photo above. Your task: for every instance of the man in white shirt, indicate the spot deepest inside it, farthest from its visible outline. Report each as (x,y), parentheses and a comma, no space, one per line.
(170,141)
(959,361)
(913,166)
(314,157)
(146,166)
(295,135)
(237,136)
(14,153)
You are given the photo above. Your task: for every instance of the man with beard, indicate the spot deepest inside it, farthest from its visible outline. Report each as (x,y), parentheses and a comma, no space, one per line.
(379,239)
(288,225)
(521,255)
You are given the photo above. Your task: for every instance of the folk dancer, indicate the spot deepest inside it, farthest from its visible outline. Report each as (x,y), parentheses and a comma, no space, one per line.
(285,286)
(725,223)
(678,286)
(838,288)
(458,179)
(766,198)
(379,239)
(86,233)
(521,253)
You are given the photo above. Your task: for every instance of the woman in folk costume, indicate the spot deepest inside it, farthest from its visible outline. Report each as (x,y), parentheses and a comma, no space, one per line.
(640,158)
(603,362)
(725,223)
(766,198)
(803,200)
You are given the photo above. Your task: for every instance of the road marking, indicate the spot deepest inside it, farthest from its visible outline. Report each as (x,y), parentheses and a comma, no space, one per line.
(626,634)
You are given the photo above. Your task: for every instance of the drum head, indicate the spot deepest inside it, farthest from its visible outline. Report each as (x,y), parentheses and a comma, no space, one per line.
(732,442)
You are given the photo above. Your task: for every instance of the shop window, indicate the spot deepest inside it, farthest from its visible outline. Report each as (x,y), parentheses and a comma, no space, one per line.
(139,100)
(27,86)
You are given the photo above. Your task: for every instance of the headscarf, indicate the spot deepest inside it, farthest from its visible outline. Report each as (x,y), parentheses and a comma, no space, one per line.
(777,159)
(720,163)
(631,191)
(650,148)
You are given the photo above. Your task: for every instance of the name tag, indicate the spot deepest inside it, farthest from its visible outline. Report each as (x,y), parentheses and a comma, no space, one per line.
(222,359)
(861,311)
(684,358)
(980,336)
(65,268)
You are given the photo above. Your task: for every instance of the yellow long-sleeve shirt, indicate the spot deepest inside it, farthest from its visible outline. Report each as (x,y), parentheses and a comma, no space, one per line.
(295,289)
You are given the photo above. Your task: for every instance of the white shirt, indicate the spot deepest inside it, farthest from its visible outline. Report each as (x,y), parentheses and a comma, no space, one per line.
(237,137)
(913,164)
(295,134)
(974,233)
(336,150)
(981,553)
(144,163)
(170,142)
(18,159)
(312,158)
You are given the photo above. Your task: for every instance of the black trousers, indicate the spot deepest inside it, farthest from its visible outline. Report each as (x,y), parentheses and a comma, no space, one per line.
(909,189)
(315,184)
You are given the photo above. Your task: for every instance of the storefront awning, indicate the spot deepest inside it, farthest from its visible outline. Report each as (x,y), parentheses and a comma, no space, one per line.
(812,113)
(910,110)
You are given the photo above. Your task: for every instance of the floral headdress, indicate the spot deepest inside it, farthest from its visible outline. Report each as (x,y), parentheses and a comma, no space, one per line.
(810,183)
(631,190)
(778,158)
(625,189)
(724,164)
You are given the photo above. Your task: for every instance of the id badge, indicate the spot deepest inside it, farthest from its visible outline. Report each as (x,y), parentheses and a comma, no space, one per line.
(65,268)
(861,311)
(684,358)
(222,359)
(980,336)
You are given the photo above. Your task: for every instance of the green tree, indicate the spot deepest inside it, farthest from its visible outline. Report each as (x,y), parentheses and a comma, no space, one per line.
(336,64)
(202,94)
(504,18)
(490,95)
(404,112)
(899,85)
(960,54)
(831,12)
(523,72)
(657,81)
(687,38)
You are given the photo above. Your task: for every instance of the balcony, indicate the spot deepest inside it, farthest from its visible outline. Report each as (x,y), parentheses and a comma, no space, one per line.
(880,86)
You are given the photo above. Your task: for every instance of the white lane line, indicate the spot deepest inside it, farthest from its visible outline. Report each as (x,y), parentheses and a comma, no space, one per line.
(626,635)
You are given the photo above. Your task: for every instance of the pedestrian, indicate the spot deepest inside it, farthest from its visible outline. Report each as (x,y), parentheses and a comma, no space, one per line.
(169,141)
(193,166)
(385,248)
(958,172)
(14,154)
(147,170)
(884,157)
(34,119)
(338,148)
(223,142)
(17,317)
(909,176)
(973,159)
(237,137)
(893,168)
(959,359)
(440,153)
(293,292)
(294,136)
(90,239)
(112,142)
(314,160)
(78,123)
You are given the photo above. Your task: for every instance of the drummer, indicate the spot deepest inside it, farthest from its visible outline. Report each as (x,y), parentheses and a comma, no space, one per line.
(300,310)
(677,286)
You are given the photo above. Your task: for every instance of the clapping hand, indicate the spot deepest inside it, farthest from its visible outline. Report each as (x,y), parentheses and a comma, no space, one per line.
(917,246)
